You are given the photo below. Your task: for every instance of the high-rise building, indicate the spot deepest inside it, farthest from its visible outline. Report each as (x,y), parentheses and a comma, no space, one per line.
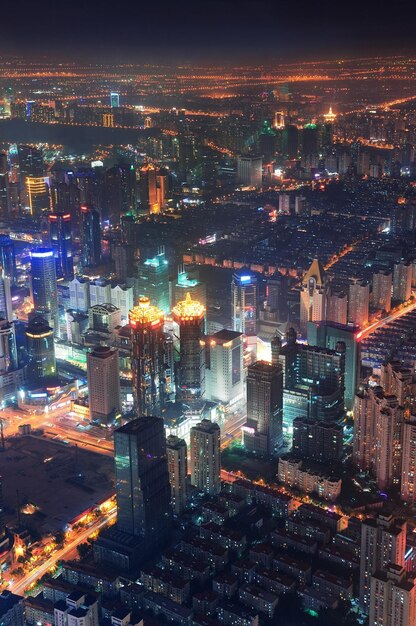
(392,597)
(8,350)
(142,480)
(313,295)
(119,191)
(40,350)
(377,442)
(263,431)
(150,198)
(44,288)
(6,309)
(402,281)
(381,294)
(399,381)
(103,385)
(358,303)
(39,200)
(309,139)
(114,100)
(60,234)
(12,609)
(187,281)
(148,357)
(154,280)
(90,236)
(178,472)
(4,185)
(249,171)
(244,302)
(7,258)
(317,440)
(79,294)
(190,317)
(224,367)
(337,307)
(408,470)
(206,457)
(383,541)
(328,335)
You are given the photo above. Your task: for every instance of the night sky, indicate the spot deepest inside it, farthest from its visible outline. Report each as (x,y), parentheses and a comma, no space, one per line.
(222,30)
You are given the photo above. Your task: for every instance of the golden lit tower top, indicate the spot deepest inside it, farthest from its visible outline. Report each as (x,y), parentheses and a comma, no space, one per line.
(146,314)
(330,116)
(188,309)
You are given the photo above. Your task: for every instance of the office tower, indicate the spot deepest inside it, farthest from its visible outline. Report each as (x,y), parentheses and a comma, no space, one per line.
(103,385)
(90,236)
(6,309)
(4,185)
(44,288)
(383,541)
(250,171)
(337,307)
(291,141)
(100,291)
(309,139)
(206,457)
(381,294)
(79,294)
(148,357)
(119,191)
(328,335)
(267,142)
(277,289)
(263,432)
(123,298)
(244,302)
(60,235)
(38,197)
(190,317)
(358,303)
(224,367)
(40,350)
(316,440)
(402,281)
(30,161)
(114,100)
(8,350)
(154,280)
(378,420)
(142,481)
(123,256)
(178,472)
(104,318)
(7,258)
(313,295)
(187,282)
(148,189)
(279,120)
(408,471)
(392,597)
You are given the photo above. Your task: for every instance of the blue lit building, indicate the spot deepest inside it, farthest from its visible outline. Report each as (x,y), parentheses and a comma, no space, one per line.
(61,241)
(154,280)
(44,287)
(114,100)
(244,302)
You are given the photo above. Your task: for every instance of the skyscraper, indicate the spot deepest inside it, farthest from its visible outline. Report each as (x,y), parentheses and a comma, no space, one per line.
(40,350)
(61,241)
(408,472)
(178,472)
(244,302)
(190,317)
(206,457)
(90,236)
(383,541)
(44,289)
(142,480)
(224,367)
(337,306)
(313,295)
(4,185)
(263,431)
(392,597)
(381,294)
(103,385)
(402,281)
(358,303)
(7,257)
(148,357)
(148,189)
(154,280)
(249,171)
(6,309)
(39,200)
(114,100)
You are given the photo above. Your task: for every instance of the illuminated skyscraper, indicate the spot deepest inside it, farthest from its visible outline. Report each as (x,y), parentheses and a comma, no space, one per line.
(91,236)
(224,367)
(154,280)
(7,257)
(149,367)
(187,282)
(114,100)
(358,303)
(61,241)
(40,350)
(249,171)
(313,295)
(44,288)
(244,302)
(103,385)
(148,189)
(206,457)
(263,431)
(6,309)
(39,201)
(178,472)
(190,317)
(142,480)
(4,185)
